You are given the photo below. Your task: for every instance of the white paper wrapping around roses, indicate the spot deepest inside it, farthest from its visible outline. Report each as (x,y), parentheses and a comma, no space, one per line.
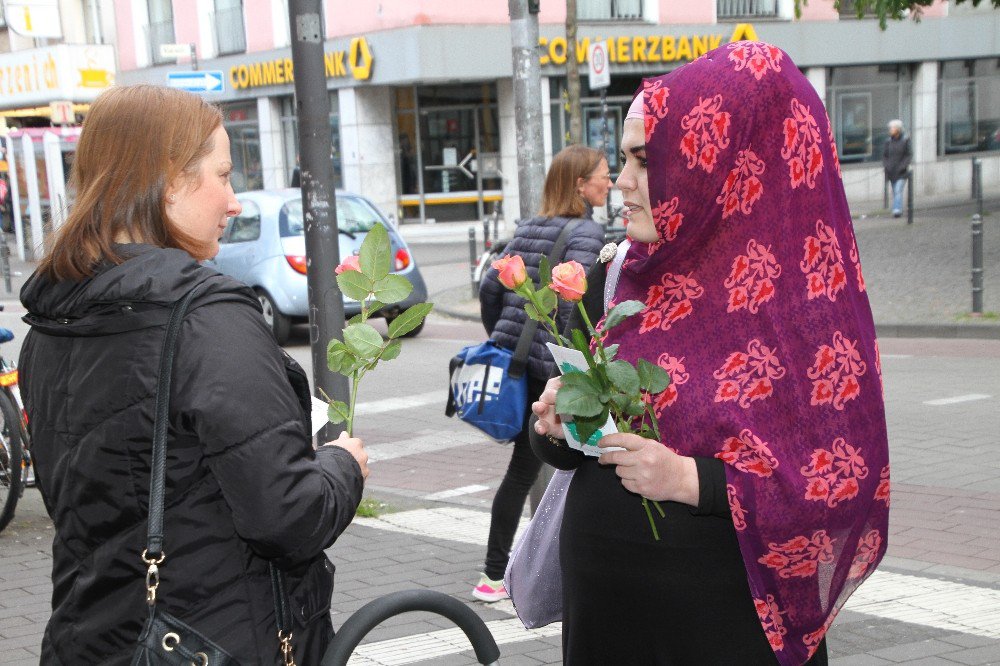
(572,357)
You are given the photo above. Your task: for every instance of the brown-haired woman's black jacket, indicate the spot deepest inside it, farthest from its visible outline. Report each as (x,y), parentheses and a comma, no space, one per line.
(244,484)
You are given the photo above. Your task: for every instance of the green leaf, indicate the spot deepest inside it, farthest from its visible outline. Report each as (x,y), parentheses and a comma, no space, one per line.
(339,357)
(635,408)
(588,429)
(409,319)
(548,299)
(544,272)
(374,306)
(392,350)
(337,412)
(375,253)
(355,284)
(582,344)
(611,351)
(392,288)
(363,340)
(621,312)
(532,312)
(623,377)
(578,395)
(652,377)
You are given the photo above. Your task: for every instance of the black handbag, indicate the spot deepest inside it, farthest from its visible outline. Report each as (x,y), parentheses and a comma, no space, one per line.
(165,640)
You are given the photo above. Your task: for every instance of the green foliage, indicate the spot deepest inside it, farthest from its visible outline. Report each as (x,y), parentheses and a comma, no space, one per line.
(887,9)
(544,272)
(579,395)
(337,411)
(652,378)
(623,377)
(363,340)
(371,508)
(375,255)
(355,284)
(409,319)
(375,287)
(621,312)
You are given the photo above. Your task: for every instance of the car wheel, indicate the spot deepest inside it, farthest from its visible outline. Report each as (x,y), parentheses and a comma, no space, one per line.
(280,324)
(411,334)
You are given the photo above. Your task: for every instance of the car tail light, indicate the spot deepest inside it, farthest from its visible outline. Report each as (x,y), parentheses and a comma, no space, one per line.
(297,262)
(402,259)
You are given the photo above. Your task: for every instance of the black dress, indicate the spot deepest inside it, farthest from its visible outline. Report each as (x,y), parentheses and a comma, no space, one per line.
(628,599)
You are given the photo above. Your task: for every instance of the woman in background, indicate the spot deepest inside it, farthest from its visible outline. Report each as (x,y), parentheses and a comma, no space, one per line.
(577,182)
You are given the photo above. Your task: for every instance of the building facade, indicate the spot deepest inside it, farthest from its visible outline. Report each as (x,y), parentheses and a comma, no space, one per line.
(422,97)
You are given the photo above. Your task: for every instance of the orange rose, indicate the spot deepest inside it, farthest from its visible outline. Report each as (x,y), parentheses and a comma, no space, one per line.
(569,281)
(352,263)
(511,269)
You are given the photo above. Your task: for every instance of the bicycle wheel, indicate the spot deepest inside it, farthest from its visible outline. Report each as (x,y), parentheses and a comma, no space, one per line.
(11,474)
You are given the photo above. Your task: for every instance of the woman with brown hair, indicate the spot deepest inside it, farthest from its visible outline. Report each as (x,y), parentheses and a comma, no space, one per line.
(244,487)
(578,181)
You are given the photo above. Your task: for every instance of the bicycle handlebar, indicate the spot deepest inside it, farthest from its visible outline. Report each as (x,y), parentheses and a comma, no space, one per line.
(375,612)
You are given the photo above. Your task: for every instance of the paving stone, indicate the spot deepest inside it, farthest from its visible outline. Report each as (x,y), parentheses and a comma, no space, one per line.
(926,648)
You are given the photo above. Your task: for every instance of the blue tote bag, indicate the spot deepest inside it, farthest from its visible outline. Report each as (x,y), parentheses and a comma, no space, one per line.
(489,386)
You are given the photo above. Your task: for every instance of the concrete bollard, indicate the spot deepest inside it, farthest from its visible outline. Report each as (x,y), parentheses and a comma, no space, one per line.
(977,263)
(909,196)
(473,256)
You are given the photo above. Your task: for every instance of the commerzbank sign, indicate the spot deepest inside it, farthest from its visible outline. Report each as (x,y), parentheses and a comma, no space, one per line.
(354,62)
(643,48)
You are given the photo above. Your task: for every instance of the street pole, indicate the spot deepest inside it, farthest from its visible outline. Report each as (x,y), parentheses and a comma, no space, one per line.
(530,147)
(527,105)
(604,149)
(319,210)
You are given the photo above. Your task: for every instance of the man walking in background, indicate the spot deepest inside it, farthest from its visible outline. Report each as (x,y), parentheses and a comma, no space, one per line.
(896,157)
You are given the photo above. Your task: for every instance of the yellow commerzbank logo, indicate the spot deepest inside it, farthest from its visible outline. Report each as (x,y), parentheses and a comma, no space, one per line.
(643,48)
(356,61)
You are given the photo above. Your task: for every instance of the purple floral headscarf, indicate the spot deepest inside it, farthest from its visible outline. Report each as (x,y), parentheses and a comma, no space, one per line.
(757,308)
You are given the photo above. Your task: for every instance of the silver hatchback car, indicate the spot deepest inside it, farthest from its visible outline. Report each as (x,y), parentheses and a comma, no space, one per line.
(265,247)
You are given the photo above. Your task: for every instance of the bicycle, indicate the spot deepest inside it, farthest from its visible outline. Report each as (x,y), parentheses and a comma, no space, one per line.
(15,458)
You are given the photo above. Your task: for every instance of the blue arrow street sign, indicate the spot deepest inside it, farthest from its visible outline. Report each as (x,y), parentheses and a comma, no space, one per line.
(209,81)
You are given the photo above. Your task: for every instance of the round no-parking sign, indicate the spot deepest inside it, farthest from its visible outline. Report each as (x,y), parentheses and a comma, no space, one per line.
(600,74)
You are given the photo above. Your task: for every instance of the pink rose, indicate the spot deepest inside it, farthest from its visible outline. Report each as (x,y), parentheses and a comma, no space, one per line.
(352,263)
(569,281)
(511,269)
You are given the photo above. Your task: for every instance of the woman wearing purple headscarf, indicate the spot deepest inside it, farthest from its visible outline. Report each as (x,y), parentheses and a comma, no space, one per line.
(773,469)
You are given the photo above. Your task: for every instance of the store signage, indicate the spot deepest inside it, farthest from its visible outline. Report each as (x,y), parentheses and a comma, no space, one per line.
(176,50)
(642,48)
(62,112)
(207,81)
(73,72)
(33,18)
(354,62)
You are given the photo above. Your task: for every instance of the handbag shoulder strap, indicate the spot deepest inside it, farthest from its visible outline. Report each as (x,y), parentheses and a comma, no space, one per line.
(520,360)
(157,476)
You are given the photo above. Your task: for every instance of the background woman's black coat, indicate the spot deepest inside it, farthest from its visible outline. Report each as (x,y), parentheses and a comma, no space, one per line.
(244,484)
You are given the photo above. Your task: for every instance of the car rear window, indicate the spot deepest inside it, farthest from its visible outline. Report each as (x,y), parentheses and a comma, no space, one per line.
(353,216)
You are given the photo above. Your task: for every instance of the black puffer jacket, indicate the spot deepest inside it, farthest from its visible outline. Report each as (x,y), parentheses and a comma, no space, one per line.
(502,310)
(244,484)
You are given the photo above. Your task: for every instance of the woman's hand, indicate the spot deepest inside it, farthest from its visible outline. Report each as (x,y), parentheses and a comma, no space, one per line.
(650,469)
(356,448)
(548,422)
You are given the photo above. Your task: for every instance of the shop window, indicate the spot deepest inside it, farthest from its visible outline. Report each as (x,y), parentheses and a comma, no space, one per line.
(849,9)
(290,135)
(861,101)
(161,29)
(240,121)
(739,9)
(230,32)
(969,106)
(609,10)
